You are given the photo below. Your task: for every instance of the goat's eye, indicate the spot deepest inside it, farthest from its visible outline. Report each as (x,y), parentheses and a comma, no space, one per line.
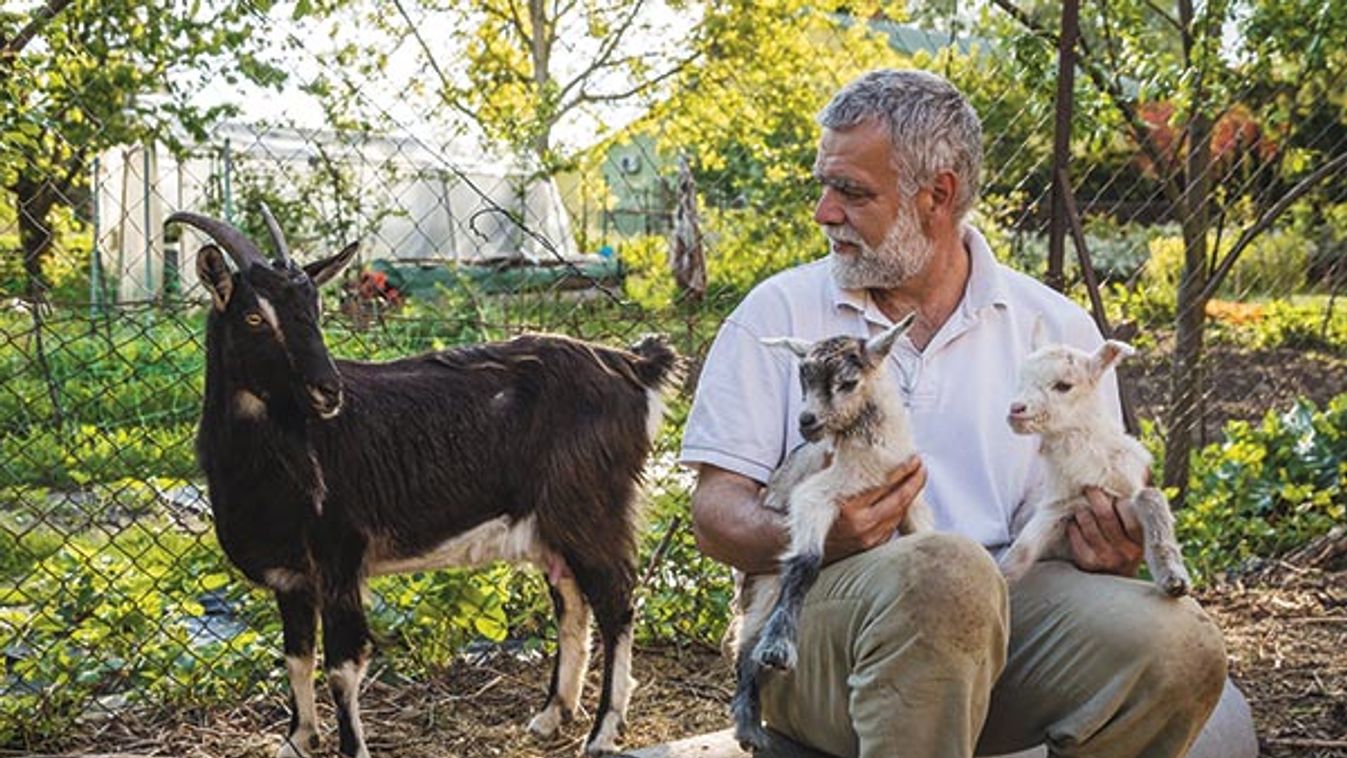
(1062,386)
(253,319)
(846,385)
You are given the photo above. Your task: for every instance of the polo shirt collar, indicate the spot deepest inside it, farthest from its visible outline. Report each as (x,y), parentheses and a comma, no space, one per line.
(986,283)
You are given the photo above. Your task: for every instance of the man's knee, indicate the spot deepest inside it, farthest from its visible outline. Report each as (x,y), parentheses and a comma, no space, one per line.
(942,586)
(1185,655)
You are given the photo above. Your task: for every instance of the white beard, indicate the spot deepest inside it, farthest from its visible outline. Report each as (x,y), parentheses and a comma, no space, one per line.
(901,255)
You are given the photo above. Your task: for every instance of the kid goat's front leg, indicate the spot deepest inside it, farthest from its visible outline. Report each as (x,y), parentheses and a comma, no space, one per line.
(1046,528)
(1163,554)
(812,513)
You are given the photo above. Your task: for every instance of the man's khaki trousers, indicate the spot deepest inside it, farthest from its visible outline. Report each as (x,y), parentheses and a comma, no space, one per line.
(916,649)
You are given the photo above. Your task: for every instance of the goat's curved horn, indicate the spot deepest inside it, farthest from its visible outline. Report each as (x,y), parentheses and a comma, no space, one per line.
(277,237)
(239,247)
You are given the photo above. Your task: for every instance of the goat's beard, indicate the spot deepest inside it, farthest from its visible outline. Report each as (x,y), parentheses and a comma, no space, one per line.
(901,255)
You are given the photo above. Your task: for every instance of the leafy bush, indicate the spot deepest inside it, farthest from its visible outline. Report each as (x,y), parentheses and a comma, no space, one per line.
(1274,264)
(1302,323)
(1268,487)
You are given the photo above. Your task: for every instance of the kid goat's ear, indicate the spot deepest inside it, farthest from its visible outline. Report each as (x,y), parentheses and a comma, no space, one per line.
(213,273)
(797,346)
(879,345)
(1038,337)
(1108,355)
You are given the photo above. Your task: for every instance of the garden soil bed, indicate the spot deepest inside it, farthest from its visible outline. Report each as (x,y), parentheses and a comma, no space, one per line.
(1285,627)
(1241,383)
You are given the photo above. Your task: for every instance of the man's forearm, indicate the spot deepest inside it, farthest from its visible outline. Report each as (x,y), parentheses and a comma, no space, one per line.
(732,526)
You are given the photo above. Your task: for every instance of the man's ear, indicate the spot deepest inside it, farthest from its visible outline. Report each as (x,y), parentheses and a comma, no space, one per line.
(213,273)
(797,346)
(1108,355)
(324,270)
(944,190)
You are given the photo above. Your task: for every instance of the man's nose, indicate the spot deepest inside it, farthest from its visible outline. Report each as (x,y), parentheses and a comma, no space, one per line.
(828,210)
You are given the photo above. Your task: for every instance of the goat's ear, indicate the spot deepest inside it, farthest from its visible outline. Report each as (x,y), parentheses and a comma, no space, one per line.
(797,346)
(1109,354)
(324,270)
(879,345)
(1039,336)
(213,273)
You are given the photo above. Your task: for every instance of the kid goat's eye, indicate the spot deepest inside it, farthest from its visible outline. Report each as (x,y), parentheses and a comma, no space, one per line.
(253,319)
(846,386)
(1062,387)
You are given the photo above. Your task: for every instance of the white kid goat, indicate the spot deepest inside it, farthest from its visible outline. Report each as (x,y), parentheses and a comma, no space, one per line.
(1083,446)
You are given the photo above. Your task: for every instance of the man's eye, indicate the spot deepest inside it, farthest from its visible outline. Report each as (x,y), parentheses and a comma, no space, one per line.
(846,386)
(1062,387)
(253,319)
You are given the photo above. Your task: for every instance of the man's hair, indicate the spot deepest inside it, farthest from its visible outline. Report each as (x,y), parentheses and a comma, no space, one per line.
(931,125)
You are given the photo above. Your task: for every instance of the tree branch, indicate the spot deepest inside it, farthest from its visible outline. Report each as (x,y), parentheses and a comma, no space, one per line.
(605,50)
(1304,185)
(587,97)
(1162,13)
(12,47)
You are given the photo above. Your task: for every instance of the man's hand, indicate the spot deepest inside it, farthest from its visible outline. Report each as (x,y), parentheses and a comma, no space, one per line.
(869,518)
(1105,538)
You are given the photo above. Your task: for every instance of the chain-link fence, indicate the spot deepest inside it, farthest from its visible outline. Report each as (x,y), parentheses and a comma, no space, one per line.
(1204,176)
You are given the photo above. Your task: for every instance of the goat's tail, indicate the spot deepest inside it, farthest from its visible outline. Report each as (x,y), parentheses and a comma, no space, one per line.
(656,362)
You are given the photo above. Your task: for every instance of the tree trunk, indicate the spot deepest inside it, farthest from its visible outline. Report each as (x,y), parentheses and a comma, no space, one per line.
(1186,380)
(34,201)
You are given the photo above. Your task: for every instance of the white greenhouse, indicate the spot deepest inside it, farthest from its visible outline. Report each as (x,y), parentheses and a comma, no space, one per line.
(432,204)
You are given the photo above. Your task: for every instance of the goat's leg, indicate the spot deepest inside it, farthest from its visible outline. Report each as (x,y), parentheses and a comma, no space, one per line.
(346,646)
(746,708)
(1163,554)
(299,620)
(568,672)
(609,592)
(1044,531)
(776,647)
(811,517)
(920,517)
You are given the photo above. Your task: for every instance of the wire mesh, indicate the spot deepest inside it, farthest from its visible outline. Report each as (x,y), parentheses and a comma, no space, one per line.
(115,594)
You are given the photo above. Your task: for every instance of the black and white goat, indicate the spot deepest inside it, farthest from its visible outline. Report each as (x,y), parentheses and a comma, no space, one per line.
(323,473)
(856,431)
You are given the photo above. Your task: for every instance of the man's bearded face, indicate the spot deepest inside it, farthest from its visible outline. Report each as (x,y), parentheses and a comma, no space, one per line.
(902,254)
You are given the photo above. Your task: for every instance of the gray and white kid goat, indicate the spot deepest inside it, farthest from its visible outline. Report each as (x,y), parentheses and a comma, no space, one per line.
(324,472)
(1084,446)
(856,432)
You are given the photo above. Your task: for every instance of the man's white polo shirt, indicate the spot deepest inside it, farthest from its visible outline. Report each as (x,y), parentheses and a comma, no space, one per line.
(957,390)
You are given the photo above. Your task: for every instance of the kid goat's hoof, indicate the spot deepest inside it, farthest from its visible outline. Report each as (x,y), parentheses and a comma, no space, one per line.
(751,737)
(777,653)
(1175,584)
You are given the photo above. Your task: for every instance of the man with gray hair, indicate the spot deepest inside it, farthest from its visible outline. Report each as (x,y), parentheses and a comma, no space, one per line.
(915,646)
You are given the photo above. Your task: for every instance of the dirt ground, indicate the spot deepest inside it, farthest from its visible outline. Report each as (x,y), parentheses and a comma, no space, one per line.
(1285,627)
(1242,383)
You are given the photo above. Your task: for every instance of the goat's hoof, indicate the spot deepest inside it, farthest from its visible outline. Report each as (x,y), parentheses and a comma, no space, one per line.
(777,653)
(751,737)
(298,746)
(605,742)
(548,721)
(1175,584)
